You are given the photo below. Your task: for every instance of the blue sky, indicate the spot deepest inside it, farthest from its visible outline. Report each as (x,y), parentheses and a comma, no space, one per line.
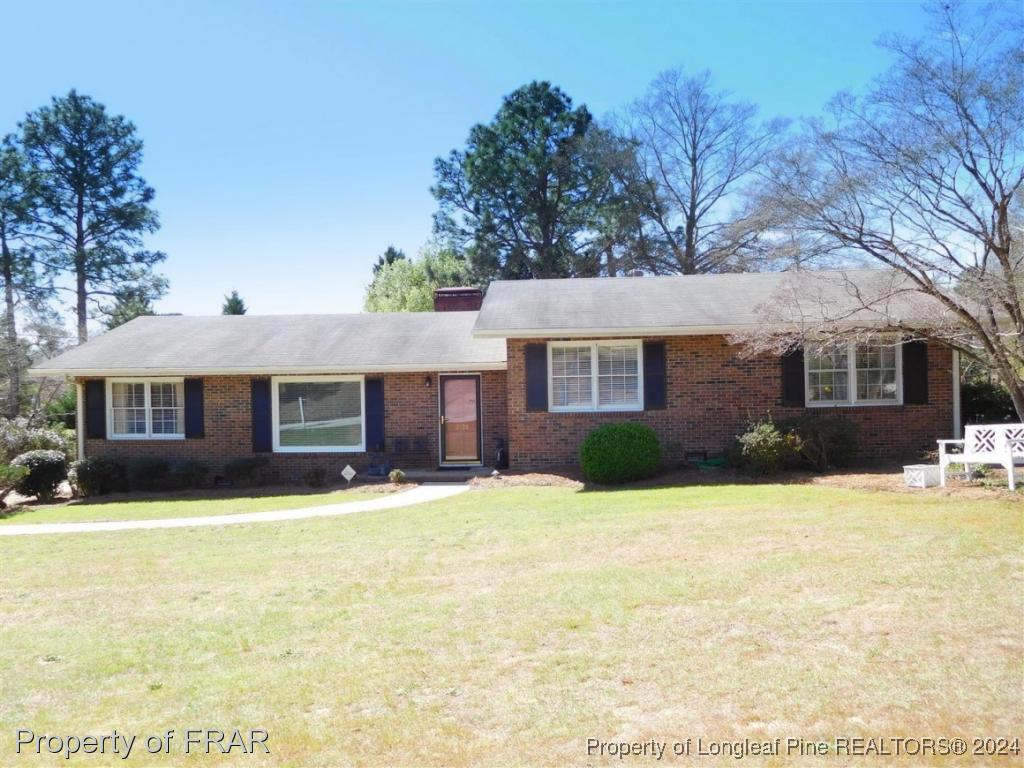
(289,143)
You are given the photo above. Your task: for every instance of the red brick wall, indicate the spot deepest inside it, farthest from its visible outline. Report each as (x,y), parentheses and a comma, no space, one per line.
(410,410)
(711,395)
(464,299)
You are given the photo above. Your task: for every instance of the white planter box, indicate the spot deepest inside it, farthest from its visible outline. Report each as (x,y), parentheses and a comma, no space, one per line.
(921,475)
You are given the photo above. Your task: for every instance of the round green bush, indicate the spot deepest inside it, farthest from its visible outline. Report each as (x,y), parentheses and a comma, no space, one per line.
(765,447)
(96,476)
(145,473)
(619,453)
(46,470)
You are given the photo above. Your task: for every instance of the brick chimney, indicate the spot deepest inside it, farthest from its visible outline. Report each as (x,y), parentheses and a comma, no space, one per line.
(461,299)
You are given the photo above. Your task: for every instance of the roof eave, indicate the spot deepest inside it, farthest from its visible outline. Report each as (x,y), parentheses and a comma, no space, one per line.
(40,373)
(676,330)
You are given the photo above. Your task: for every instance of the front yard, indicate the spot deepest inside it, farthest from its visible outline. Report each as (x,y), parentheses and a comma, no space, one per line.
(509,625)
(182,504)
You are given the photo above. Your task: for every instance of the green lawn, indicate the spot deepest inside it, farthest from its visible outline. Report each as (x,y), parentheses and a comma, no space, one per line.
(508,626)
(110,508)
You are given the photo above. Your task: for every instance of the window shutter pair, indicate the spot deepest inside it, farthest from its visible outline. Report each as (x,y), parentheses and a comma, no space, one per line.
(96,409)
(655,385)
(915,375)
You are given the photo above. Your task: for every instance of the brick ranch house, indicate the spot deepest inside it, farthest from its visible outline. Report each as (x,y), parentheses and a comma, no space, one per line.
(532,367)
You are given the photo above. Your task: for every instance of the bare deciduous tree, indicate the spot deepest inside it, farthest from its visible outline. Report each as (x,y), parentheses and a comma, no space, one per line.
(695,151)
(923,175)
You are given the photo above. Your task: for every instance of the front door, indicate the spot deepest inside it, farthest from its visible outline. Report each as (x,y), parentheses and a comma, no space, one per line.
(460,419)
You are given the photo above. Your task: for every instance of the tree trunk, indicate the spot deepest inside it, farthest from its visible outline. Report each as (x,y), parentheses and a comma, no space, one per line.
(81,287)
(10,333)
(80,306)
(1016,390)
(690,262)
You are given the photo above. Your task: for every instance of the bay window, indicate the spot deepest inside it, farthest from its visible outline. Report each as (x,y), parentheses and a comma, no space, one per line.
(142,409)
(319,415)
(595,376)
(853,374)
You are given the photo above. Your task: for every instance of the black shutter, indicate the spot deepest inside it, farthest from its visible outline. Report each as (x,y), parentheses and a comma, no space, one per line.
(654,376)
(915,373)
(374,414)
(96,409)
(261,429)
(536,377)
(194,408)
(793,378)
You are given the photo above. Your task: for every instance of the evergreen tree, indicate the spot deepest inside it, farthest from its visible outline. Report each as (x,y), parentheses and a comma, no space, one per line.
(92,208)
(23,285)
(128,304)
(390,256)
(233,305)
(524,198)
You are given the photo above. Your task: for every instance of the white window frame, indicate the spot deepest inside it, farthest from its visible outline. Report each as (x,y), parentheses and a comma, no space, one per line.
(276,416)
(149,434)
(594,377)
(851,377)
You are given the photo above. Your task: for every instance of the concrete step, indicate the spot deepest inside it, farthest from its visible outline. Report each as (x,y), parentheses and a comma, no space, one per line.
(446,475)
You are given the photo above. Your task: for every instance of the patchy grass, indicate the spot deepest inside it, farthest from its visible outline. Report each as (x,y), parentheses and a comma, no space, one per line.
(507,626)
(189,504)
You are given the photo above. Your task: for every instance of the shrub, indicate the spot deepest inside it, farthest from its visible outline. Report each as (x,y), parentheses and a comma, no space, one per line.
(93,477)
(10,476)
(246,471)
(60,412)
(17,437)
(187,474)
(315,477)
(764,447)
(823,442)
(46,470)
(146,472)
(619,453)
(987,402)
(396,476)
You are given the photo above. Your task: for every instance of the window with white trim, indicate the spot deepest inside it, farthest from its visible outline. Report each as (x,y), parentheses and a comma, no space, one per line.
(854,374)
(597,376)
(319,415)
(146,409)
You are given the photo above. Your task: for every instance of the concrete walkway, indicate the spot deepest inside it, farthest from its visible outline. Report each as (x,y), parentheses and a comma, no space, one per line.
(417,495)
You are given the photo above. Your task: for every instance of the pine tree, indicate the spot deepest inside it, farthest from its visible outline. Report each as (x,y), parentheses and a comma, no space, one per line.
(233,305)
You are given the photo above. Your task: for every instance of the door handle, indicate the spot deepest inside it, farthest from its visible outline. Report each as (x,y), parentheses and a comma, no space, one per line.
(442,419)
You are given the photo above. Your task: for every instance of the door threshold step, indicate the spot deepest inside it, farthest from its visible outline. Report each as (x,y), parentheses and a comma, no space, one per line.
(446,474)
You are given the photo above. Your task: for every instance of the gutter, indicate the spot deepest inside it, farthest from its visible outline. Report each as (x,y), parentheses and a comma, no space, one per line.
(665,330)
(278,370)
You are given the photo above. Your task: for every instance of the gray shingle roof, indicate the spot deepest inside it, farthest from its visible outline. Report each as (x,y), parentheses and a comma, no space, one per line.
(179,345)
(675,304)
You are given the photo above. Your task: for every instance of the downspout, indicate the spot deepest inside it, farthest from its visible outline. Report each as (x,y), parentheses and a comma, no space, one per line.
(957,428)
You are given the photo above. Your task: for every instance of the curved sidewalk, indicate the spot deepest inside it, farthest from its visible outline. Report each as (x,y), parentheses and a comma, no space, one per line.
(417,495)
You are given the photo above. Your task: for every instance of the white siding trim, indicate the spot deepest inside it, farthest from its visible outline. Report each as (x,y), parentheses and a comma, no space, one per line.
(268,371)
(80,418)
(957,418)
